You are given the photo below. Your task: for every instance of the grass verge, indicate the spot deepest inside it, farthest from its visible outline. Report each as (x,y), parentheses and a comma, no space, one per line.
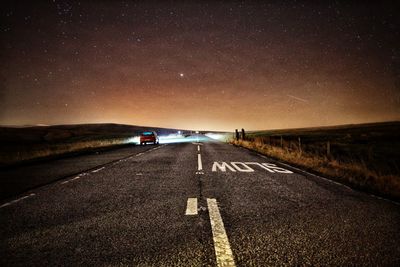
(352,172)
(19,154)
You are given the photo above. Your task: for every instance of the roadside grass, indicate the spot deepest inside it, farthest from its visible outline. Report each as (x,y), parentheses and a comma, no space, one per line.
(27,152)
(367,160)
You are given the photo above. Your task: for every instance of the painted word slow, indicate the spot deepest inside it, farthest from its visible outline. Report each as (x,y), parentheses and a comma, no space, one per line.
(247,167)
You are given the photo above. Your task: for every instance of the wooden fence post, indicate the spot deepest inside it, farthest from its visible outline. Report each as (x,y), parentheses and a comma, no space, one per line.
(281,141)
(237,134)
(243,134)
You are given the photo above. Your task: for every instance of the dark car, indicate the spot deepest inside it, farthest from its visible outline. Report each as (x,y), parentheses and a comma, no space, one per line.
(148,137)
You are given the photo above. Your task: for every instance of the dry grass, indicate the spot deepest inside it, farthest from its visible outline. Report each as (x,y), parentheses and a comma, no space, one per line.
(37,151)
(353,172)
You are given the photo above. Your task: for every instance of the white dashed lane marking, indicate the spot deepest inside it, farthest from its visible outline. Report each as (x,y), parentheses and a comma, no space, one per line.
(97,170)
(199,163)
(75,178)
(17,200)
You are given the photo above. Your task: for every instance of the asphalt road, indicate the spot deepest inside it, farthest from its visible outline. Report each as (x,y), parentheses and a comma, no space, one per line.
(133,212)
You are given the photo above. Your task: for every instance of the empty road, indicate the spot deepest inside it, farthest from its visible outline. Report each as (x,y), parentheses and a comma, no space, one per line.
(202,203)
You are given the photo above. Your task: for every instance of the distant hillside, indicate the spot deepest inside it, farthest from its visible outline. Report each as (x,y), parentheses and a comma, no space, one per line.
(384,127)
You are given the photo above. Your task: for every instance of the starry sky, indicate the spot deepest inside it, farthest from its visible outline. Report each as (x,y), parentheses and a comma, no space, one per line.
(199,64)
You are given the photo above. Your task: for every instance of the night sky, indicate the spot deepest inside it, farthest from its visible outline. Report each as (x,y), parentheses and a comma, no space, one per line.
(199,65)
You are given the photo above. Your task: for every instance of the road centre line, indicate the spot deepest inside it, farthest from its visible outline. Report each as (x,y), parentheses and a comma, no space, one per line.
(223,252)
(199,163)
(191,206)
(17,200)
(198,148)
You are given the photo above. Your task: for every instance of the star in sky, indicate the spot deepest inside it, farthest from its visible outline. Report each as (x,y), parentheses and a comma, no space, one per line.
(194,65)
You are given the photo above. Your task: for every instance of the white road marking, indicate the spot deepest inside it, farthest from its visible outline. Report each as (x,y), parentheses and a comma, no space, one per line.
(157,147)
(243,168)
(97,170)
(222,248)
(260,165)
(152,149)
(276,168)
(199,163)
(198,148)
(191,206)
(222,167)
(17,200)
(139,174)
(75,178)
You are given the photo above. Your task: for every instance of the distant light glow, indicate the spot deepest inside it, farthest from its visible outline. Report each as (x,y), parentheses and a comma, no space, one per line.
(171,139)
(133,140)
(219,137)
(178,138)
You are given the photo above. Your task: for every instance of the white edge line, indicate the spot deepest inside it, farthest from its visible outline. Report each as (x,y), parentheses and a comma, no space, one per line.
(97,170)
(191,206)
(5,205)
(17,200)
(223,252)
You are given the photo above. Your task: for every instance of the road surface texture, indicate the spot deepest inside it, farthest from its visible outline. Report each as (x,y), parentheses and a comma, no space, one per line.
(194,204)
